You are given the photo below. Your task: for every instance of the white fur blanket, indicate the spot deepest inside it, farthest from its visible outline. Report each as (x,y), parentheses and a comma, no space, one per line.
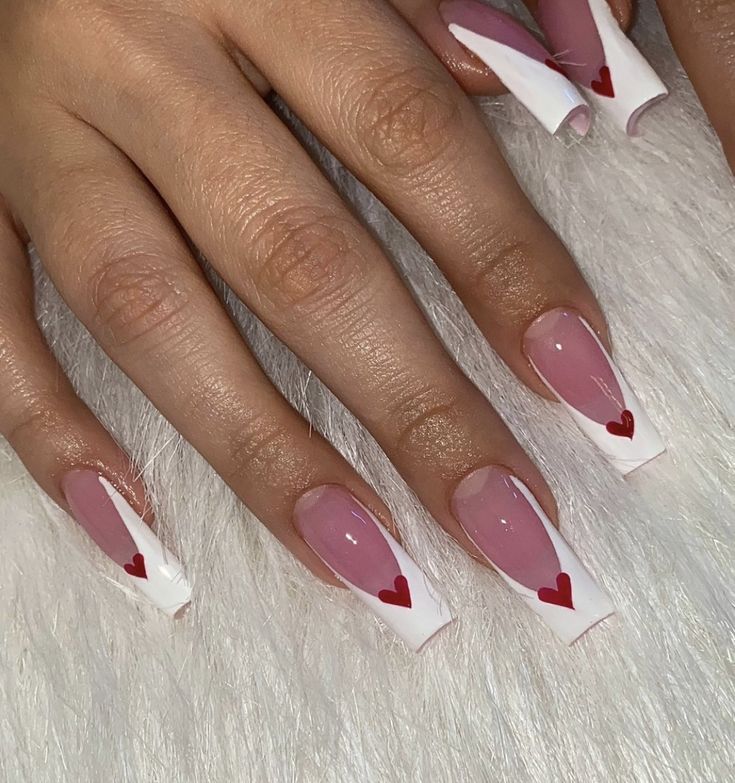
(272,678)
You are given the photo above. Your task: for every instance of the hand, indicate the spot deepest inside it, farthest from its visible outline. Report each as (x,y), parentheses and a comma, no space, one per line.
(128,129)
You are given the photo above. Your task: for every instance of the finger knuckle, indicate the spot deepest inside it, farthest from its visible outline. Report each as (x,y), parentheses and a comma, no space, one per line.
(135,298)
(306,261)
(30,411)
(424,420)
(408,122)
(259,448)
(500,271)
(36,418)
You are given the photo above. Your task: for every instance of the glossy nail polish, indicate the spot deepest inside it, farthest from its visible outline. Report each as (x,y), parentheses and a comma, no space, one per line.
(371,563)
(126,539)
(519,61)
(504,520)
(593,51)
(573,363)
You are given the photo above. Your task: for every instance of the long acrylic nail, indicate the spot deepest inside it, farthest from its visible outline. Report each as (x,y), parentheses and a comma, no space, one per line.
(503,519)
(592,49)
(126,539)
(519,61)
(373,565)
(570,359)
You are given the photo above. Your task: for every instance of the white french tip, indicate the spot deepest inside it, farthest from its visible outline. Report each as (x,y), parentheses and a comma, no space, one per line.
(627,452)
(164,584)
(502,517)
(545,92)
(591,603)
(429,611)
(636,85)
(369,561)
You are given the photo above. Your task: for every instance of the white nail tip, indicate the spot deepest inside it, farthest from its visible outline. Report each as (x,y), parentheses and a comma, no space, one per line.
(635,84)
(546,93)
(164,583)
(590,604)
(624,453)
(428,613)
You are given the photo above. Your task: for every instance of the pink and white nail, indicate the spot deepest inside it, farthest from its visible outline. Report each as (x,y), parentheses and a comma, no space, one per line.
(570,359)
(592,49)
(521,63)
(504,520)
(126,539)
(371,563)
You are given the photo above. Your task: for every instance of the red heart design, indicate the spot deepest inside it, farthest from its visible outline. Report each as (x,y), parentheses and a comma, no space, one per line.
(401,596)
(554,65)
(562,596)
(137,567)
(605,85)
(623,428)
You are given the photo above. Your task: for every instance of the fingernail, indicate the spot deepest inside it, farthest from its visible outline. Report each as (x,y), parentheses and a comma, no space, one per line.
(504,520)
(126,539)
(592,49)
(371,563)
(519,61)
(570,359)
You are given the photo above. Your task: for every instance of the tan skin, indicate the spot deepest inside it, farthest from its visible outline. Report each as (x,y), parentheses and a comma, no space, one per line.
(122,124)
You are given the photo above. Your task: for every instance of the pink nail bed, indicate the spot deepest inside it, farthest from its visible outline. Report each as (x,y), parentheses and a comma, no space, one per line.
(126,539)
(371,563)
(570,359)
(504,520)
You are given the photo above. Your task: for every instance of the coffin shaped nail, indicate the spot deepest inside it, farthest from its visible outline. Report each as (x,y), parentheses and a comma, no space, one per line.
(570,359)
(127,540)
(519,61)
(592,49)
(371,563)
(504,520)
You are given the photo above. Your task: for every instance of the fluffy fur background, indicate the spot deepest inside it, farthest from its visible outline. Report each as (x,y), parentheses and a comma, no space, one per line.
(272,678)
